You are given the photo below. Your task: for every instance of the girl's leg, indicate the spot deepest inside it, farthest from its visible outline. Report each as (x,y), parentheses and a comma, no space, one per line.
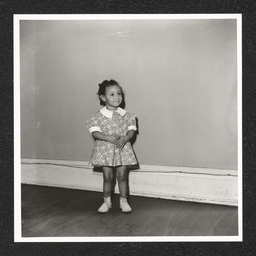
(107,181)
(123,187)
(121,176)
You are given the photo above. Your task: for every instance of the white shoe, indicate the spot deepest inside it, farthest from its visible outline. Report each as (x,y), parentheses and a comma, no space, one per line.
(125,207)
(106,205)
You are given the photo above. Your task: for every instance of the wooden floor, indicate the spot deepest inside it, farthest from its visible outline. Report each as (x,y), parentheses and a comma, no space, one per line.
(59,212)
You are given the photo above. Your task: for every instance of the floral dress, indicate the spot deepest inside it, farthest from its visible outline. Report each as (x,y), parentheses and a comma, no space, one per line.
(108,122)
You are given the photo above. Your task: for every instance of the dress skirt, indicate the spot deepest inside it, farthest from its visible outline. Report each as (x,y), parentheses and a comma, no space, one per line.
(107,154)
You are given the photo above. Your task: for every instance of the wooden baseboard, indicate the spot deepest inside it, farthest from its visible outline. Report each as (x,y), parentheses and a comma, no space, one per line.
(178,183)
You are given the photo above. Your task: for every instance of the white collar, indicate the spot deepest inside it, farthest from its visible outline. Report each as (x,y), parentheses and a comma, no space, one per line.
(108,113)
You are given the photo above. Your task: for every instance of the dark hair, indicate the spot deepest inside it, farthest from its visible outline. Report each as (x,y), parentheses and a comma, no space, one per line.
(103,86)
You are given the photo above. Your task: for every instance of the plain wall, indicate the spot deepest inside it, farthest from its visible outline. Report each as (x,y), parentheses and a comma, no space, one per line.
(179,77)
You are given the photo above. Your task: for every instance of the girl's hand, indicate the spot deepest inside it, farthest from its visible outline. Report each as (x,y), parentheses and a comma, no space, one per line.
(121,141)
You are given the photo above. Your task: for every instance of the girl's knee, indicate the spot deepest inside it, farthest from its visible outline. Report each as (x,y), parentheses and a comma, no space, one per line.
(108,178)
(121,177)
(107,174)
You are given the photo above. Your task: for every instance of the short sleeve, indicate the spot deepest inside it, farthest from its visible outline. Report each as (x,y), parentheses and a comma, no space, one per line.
(132,122)
(93,125)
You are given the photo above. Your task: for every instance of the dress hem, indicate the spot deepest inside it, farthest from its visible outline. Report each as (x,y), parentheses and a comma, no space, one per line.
(94,165)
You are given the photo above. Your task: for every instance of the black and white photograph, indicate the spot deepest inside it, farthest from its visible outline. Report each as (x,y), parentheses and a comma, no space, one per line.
(128,127)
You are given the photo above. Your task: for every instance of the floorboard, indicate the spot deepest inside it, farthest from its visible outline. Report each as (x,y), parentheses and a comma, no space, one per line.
(59,212)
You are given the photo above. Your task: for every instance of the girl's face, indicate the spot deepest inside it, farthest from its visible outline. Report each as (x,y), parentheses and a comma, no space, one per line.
(113,97)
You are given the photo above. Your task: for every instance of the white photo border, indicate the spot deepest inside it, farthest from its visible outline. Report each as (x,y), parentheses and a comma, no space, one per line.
(17,144)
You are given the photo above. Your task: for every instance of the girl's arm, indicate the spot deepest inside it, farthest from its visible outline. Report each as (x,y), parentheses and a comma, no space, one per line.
(122,140)
(109,138)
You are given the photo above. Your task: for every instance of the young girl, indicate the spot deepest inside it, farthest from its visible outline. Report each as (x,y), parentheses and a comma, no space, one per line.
(112,128)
